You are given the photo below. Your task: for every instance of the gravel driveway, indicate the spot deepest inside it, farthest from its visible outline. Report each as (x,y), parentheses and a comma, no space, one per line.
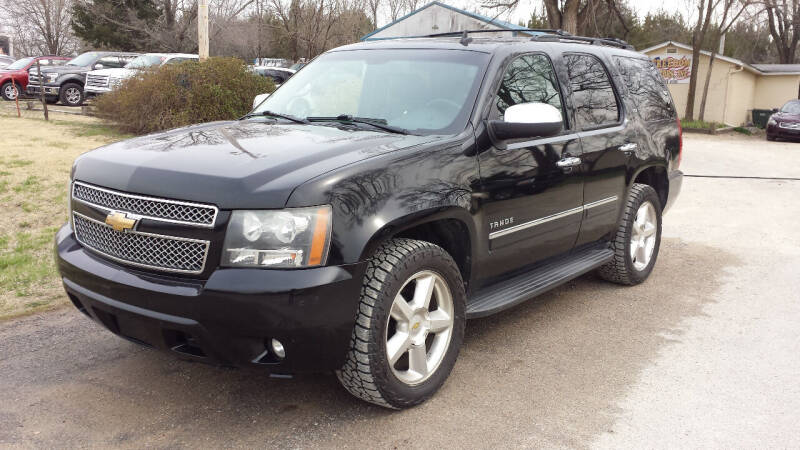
(704,354)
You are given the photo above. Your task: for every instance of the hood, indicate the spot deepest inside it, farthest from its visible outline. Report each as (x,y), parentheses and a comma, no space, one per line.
(61,69)
(786,117)
(241,164)
(117,72)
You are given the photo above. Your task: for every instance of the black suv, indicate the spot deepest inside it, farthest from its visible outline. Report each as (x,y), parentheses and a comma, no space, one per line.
(379,198)
(65,83)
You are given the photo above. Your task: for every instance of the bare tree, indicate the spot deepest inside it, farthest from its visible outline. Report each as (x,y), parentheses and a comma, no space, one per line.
(373,6)
(39,26)
(783,17)
(395,7)
(731,10)
(705,8)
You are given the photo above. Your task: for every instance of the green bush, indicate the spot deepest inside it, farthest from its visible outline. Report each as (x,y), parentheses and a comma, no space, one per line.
(183,94)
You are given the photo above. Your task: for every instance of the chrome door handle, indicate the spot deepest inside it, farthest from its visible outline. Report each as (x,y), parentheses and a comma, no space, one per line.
(629,147)
(569,162)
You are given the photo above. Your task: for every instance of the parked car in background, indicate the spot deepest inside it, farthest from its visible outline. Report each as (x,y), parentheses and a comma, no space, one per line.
(785,123)
(5,61)
(106,80)
(278,74)
(65,83)
(298,65)
(271,62)
(17,73)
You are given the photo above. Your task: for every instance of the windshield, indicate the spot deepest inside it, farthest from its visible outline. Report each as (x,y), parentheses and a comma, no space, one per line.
(791,108)
(143,61)
(422,91)
(83,60)
(20,64)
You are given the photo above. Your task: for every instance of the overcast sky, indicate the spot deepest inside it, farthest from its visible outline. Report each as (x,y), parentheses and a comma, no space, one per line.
(523,12)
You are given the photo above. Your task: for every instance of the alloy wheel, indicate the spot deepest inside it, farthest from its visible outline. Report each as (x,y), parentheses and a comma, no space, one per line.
(643,235)
(73,96)
(10,92)
(419,328)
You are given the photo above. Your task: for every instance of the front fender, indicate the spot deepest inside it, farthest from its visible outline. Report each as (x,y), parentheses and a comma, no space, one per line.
(377,198)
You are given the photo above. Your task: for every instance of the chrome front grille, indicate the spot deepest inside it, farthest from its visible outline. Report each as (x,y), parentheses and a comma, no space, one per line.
(97,80)
(151,251)
(33,78)
(148,207)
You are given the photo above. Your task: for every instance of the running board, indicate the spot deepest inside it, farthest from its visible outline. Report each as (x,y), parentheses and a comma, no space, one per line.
(496,297)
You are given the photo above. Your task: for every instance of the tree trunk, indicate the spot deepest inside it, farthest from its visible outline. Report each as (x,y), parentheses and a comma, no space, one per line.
(569,20)
(705,86)
(697,42)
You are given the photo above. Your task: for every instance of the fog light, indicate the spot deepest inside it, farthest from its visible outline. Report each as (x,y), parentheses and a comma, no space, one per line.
(278,349)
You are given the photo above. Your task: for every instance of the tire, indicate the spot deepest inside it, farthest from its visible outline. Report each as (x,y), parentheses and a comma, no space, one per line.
(400,270)
(7,91)
(626,268)
(71,94)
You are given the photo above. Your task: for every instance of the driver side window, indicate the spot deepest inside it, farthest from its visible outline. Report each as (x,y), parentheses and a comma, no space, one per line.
(527,79)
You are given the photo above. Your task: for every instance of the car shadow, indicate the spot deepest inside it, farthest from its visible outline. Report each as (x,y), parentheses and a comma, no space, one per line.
(548,372)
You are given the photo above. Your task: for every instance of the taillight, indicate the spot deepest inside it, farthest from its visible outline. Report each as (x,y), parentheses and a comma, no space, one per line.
(680,144)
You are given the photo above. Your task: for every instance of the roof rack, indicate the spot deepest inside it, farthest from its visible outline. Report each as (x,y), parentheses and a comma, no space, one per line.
(546,34)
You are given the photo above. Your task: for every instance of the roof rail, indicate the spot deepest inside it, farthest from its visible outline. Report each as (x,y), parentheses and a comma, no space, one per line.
(545,34)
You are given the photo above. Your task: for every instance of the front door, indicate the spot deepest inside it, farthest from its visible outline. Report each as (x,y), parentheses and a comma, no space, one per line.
(532,206)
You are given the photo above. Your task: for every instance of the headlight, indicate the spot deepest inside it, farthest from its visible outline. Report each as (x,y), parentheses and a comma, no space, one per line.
(288,238)
(52,77)
(771,121)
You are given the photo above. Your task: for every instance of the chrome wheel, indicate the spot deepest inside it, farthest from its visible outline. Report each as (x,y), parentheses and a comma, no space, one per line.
(10,93)
(419,328)
(643,235)
(73,95)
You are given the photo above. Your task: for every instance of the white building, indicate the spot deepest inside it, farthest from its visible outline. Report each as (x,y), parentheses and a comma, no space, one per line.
(437,17)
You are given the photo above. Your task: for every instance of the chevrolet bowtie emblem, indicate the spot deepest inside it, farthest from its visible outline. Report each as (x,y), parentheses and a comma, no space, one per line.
(119,221)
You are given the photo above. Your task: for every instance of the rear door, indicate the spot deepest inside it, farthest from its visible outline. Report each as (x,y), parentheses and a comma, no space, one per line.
(607,140)
(533,206)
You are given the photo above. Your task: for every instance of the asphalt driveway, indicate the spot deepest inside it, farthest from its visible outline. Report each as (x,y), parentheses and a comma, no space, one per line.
(704,354)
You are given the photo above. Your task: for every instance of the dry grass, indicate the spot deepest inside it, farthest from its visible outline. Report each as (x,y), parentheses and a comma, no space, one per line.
(35,161)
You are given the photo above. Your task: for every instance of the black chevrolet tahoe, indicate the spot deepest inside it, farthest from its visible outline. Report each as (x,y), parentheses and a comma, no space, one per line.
(382,196)
(65,83)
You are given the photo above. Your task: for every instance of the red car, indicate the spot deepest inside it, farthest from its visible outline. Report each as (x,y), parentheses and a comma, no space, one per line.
(18,71)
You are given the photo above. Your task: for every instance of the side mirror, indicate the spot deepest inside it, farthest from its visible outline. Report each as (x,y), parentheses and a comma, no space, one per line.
(526,120)
(259,98)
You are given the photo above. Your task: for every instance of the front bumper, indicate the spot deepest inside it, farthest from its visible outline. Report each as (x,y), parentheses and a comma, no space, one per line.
(48,90)
(783,133)
(94,90)
(229,319)
(675,182)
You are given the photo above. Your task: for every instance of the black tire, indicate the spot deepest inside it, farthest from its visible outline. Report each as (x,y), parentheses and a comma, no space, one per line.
(68,95)
(6,91)
(622,269)
(367,373)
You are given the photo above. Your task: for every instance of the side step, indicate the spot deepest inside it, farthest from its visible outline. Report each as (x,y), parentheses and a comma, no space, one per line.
(513,291)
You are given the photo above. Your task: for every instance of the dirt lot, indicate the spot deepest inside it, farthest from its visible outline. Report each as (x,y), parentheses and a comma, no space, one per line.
(34,168)
(704,354)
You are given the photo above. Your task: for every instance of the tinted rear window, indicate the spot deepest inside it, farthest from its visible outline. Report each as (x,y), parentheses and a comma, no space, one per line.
(592,93)
(646,88)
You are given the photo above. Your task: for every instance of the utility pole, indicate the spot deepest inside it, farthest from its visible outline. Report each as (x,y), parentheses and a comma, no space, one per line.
(202,29)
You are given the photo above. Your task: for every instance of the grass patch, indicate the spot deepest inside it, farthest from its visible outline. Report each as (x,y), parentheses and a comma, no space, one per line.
(699,125)
(14,163)
(743,130)
(33,185)
(29,185)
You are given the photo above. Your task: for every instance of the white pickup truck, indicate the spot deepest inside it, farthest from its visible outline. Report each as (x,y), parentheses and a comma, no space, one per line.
(106,80)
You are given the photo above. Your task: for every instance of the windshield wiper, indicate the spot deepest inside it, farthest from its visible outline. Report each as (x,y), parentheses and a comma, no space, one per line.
(377,123)
(281,116)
